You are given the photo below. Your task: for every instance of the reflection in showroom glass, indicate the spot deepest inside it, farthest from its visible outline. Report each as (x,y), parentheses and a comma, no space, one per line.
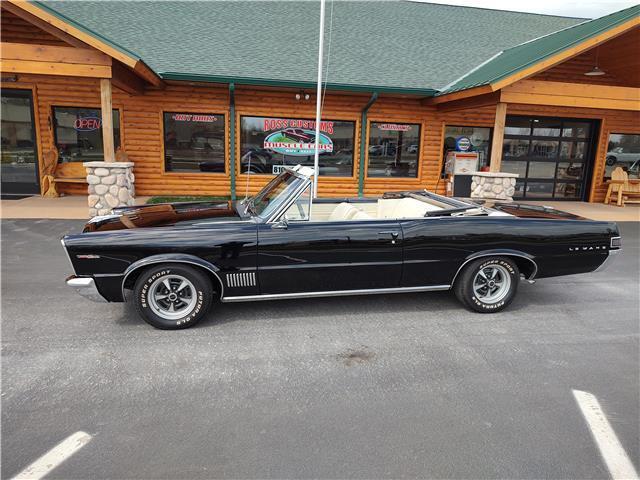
(393,150)
(623,151)
(194,142)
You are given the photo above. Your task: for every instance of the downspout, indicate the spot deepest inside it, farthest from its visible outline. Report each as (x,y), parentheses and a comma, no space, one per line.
(232,139)
(363,141)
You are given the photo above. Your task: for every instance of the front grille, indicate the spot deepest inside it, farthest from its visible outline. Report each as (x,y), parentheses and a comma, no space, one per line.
(241,279)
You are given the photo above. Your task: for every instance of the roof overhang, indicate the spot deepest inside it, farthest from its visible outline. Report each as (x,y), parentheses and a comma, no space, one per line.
(80,36)
(527,71)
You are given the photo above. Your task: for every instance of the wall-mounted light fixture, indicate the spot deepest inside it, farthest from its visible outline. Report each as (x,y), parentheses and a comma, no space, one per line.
(595,71)
(302,94)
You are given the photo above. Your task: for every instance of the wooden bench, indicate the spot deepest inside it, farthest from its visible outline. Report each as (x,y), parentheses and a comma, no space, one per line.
(51,176)
(624,190)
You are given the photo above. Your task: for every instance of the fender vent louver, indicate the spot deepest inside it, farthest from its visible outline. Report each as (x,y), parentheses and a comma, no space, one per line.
(241,279)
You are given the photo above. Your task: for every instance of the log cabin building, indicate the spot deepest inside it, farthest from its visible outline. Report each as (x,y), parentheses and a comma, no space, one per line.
(213,98)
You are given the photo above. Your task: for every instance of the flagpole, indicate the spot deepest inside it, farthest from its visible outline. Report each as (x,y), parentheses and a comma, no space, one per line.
(316,155)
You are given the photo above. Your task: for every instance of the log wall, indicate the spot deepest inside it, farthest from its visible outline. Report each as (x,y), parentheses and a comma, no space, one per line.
(141,131)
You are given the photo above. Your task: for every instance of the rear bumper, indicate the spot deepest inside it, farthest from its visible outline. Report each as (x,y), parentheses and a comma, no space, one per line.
(604,266)
(85,286)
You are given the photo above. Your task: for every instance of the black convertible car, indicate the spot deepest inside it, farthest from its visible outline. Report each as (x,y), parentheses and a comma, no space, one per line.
(174,260)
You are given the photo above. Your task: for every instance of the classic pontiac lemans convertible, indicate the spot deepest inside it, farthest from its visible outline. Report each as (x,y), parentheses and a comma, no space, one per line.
(174,260)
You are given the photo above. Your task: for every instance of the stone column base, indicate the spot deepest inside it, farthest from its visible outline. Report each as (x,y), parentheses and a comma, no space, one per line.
(493,185)
(111,185)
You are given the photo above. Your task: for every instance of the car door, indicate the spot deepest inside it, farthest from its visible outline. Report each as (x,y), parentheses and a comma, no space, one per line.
(304,256)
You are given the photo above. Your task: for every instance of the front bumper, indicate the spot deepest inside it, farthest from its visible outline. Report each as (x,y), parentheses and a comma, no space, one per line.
(86,286)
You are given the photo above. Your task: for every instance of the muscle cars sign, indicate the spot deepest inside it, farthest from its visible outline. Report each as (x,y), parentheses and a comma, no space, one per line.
(269,144)
(296,137)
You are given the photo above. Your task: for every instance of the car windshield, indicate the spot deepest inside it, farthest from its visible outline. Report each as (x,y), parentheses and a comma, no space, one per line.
(274,194)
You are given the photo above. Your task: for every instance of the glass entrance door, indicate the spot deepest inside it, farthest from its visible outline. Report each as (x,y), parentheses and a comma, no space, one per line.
(19,165)
(551,155)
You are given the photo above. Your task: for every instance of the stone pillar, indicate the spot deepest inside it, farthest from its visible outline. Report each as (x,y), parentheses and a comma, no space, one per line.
(493,185)
(111,185)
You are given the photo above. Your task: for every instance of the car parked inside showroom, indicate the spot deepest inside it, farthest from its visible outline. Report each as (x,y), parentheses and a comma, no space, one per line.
(174,261)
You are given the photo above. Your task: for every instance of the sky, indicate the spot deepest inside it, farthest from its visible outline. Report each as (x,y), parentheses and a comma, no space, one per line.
(566,8)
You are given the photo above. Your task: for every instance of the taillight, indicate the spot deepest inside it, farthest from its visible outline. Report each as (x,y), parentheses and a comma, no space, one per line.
(616,242)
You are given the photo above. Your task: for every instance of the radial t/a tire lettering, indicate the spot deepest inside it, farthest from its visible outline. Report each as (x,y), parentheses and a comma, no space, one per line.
(172,296)
(488,284)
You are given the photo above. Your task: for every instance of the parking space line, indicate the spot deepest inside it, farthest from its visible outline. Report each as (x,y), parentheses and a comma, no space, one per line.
(54,457)
(616,459)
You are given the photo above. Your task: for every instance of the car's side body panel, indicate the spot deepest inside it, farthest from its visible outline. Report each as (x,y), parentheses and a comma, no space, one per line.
(231,248)
(321,256)
(435,248)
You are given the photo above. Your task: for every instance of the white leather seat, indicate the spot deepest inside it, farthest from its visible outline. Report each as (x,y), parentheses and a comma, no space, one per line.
(344,211)
(360,215)
(403,208)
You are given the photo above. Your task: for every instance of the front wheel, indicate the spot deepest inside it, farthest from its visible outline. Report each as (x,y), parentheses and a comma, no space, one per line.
(611,160)
(172,296)
(488,285)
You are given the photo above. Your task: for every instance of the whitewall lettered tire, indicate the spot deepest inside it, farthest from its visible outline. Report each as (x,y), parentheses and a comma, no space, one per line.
(488,284)
(172,296)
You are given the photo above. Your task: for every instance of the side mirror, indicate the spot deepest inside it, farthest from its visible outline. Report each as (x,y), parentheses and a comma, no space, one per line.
(281,224)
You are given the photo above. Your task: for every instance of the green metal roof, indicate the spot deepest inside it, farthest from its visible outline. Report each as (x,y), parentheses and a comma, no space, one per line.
(394,46)
(519,57)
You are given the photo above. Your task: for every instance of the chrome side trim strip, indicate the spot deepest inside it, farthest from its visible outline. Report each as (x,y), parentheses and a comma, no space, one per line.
(531,277)
(64,247)
(171,260)
(332,293)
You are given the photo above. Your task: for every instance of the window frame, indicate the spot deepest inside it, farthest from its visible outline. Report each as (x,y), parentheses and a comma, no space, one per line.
(239,115)
(604,179)
(54,126)
(226,139)
(421,130)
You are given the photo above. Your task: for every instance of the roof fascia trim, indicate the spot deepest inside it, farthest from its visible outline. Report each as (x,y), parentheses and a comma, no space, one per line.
(189,77)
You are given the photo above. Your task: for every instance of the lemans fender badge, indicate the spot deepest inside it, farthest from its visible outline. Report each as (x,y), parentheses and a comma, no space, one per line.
(584,249)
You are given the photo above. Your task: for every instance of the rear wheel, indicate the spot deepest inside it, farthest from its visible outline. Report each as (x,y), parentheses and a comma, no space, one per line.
(172,296)
(488,284)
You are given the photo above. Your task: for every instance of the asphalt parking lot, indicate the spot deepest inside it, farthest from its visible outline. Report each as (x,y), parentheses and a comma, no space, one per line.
(396,386)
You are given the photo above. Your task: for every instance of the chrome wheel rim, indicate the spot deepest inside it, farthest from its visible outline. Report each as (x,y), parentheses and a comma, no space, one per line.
(172,297)
(491,284)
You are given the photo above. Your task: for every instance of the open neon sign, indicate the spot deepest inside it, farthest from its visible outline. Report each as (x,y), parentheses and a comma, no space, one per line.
(87,124)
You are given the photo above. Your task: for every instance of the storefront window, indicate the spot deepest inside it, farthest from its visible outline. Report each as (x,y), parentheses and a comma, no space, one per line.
(623,151)
(394,149)
(78,133)
(267,144)
(194,142)
(468,139)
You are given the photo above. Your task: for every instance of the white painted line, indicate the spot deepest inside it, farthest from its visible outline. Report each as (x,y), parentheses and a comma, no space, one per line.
(54,457)
(616,459)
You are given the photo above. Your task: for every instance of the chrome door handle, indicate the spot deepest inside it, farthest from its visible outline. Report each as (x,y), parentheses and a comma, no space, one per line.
(393,234)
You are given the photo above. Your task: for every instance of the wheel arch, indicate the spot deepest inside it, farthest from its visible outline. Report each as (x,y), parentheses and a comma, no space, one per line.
(134,270)
(525,262)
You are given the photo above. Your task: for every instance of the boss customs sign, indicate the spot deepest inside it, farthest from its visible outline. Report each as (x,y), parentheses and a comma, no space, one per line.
(296,137)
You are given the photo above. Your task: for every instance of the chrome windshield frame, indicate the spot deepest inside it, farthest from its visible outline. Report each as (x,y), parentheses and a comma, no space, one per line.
(303,174)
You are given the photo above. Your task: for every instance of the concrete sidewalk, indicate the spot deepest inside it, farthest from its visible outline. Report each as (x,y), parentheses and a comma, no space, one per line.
(75,207)
(68,207)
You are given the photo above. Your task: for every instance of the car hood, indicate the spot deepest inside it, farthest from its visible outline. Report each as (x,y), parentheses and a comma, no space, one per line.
(161,214)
